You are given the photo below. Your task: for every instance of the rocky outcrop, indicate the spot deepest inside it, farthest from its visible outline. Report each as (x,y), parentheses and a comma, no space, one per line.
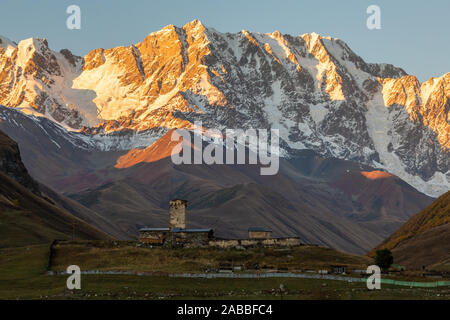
(11,164)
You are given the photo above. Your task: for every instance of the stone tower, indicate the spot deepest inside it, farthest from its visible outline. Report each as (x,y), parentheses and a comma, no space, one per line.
(177,214)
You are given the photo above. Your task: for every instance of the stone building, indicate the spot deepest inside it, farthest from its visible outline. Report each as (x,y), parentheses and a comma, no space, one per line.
(192,237)
(178,235)
(153,235)
(259,233)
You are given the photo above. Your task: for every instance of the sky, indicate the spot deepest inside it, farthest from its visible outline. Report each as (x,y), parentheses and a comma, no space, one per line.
(414,34)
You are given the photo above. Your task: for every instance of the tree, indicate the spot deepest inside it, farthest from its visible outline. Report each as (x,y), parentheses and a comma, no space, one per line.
(384,258)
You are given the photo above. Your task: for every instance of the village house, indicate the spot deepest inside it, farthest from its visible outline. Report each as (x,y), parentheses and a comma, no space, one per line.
(178,235)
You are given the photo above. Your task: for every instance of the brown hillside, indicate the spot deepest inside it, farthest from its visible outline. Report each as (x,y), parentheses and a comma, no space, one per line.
(425,238)
(430,248)
(26,218)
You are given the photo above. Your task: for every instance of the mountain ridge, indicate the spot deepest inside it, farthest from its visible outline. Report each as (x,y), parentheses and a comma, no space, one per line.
(314,89)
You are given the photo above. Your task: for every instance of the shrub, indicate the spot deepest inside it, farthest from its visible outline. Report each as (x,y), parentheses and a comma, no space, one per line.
(384,258)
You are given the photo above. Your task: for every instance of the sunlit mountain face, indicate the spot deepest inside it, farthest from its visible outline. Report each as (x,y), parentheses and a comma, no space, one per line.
(314,89)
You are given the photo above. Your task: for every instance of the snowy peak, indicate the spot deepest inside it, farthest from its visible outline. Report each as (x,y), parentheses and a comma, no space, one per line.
(318,92)
(7,45)
(427,104)
(132,82)
(33,76)
(194,27)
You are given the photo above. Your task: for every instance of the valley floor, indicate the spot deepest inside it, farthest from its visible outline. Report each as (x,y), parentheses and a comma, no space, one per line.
(23,275)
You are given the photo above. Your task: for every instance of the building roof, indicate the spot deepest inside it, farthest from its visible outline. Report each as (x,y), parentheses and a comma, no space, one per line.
(176,230)
(153,229)
(259,229)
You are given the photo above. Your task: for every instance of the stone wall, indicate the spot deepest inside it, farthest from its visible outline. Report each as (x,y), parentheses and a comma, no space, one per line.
(157,237)
(224,243)
(273,242)
(202,239)
(180,238)
(260,234)
(192,239)
(282,242)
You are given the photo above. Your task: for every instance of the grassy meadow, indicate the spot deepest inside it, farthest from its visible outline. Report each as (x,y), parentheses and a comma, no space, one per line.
(23,274)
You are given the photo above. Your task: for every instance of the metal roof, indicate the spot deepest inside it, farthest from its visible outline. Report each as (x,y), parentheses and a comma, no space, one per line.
(176,230)
(154,229)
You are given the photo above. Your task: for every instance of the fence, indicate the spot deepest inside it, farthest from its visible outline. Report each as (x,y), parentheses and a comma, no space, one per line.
(308,276)
(263,276)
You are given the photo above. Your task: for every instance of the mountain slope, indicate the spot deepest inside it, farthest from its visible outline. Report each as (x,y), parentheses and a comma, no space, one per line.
(28,219)
(425,238)
(306,198)
(314,89)
(26,215)
(132,189)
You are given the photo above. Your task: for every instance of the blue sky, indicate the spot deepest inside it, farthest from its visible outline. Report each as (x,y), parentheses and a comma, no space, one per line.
(414,34)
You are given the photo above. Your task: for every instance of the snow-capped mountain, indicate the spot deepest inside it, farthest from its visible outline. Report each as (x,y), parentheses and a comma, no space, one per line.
(314,89)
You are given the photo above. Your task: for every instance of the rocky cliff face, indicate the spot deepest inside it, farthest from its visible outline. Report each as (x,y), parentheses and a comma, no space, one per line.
(314,89)
(11,164)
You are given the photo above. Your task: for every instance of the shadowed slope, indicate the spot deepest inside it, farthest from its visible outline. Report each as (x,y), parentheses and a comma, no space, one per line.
(27,216)
(28,219)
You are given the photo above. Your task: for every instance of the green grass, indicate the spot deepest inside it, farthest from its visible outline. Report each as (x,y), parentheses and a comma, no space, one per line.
(22,276)
(26,218)
(20,228)
(110,255)
(442,266)
(22,272)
